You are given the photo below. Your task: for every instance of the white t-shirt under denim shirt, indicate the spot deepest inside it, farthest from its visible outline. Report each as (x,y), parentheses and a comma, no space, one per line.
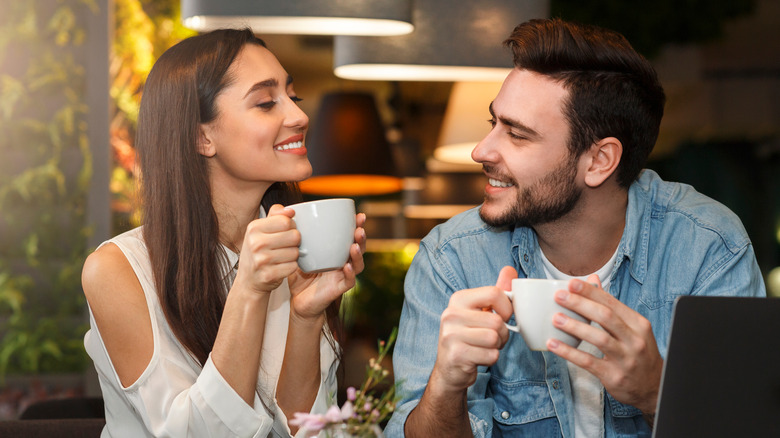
(587,390)
(175,396)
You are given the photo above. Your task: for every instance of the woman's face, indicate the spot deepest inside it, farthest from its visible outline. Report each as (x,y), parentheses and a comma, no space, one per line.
(257,137)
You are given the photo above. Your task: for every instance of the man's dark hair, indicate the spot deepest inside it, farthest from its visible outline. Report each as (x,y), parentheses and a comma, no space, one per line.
(613,90)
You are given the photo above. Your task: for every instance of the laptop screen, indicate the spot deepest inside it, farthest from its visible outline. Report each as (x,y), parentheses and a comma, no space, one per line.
(721,376)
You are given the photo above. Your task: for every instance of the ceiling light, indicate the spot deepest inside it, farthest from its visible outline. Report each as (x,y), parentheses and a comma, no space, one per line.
(465,121)
(348,149)
(451,41)
(301,17)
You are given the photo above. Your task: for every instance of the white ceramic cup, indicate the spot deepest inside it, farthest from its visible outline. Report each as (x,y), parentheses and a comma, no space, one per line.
(327,230)
(534,305)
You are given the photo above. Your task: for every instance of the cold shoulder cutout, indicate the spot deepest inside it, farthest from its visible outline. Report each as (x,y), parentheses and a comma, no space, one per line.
(174,395)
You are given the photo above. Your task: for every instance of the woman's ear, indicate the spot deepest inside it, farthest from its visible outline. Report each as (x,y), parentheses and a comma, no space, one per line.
(205,145)
(605,156)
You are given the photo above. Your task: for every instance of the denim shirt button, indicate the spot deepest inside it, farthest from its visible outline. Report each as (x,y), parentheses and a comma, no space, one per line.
(525,257)
(555,384)
(505,415)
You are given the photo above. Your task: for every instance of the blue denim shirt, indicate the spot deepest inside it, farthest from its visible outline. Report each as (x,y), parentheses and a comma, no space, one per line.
(675,242)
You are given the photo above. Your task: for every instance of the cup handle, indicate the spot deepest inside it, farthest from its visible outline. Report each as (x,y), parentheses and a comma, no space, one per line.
(511,327)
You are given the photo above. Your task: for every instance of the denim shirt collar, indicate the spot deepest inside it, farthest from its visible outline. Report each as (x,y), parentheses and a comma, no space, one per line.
(633,244)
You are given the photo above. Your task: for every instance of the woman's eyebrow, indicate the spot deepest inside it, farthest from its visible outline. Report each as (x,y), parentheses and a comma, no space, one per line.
(268,83)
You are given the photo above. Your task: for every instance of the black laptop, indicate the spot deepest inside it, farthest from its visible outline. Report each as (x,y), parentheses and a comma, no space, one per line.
(721,377)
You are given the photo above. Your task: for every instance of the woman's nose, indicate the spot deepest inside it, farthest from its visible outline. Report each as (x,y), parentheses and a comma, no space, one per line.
(295,117)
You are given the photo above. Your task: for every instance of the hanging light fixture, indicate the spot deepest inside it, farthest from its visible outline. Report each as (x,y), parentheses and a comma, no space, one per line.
(348,149)
(452,41)
(464,123)
(303,17)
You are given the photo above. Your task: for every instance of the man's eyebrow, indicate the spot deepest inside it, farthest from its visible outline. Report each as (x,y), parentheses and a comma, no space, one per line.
(268,83)
(513,123)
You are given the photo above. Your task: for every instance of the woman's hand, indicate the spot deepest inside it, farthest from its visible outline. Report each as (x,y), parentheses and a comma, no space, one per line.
(269,253)
(312,293)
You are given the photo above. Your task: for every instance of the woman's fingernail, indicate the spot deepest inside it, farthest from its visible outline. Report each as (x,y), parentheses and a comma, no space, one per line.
(559,319)
(576,286)
(562,295)
(552,344)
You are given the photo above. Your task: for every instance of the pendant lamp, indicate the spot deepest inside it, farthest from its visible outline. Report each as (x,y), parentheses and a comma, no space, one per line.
(453,40)
(465,122)
(302,17)
(348,149)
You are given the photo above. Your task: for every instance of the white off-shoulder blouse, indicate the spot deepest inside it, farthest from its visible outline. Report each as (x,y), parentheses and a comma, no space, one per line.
(175,396)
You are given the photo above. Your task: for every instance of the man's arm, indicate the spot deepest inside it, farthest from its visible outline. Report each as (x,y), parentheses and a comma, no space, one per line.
(469,336)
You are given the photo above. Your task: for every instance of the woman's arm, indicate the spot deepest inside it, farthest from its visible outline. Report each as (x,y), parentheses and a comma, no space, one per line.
(300,377)
(169,395)
(119,307)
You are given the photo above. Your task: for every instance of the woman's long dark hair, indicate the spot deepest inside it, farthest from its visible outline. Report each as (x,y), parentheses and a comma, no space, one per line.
(180,225)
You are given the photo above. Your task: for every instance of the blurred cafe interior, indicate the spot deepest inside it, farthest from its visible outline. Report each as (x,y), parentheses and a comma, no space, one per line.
(397,96)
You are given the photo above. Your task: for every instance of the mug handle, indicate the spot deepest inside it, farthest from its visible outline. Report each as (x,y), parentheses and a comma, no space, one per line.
(511,327)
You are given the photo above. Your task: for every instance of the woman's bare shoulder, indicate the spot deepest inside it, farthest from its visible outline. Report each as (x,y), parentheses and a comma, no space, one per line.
(119,307)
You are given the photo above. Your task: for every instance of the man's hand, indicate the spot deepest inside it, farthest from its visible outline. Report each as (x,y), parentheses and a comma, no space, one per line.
(631,367)
(471,333)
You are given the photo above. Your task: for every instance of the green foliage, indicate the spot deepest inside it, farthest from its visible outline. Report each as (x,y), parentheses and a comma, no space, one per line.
(44,179)
(144,29)
(372,309)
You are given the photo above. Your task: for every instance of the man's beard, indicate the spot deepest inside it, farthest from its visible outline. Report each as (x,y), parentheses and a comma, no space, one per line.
(544,201)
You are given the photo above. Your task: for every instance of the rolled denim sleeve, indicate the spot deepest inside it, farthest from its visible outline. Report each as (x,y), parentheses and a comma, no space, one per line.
(427,290)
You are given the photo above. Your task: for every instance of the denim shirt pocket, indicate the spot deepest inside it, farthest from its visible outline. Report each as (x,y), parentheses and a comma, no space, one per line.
(523,408)
(627,420)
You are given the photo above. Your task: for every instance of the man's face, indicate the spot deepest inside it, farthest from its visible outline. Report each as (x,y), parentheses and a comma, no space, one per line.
(532,177)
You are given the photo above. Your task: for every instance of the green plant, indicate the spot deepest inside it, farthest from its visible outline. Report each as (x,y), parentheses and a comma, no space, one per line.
(372,309)
(44,179)
(365,409)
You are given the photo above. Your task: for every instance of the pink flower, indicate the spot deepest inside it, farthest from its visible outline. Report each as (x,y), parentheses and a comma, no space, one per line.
(351,394)
(347,411)
(333,415)
(310,422)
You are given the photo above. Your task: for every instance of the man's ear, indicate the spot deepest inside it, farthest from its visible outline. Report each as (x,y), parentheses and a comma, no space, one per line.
(205,145)
(604,157)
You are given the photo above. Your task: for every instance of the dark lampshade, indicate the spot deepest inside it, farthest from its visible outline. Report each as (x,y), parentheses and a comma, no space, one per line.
(348,149)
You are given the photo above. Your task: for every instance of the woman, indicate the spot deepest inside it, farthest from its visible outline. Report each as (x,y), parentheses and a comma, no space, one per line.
(201,322)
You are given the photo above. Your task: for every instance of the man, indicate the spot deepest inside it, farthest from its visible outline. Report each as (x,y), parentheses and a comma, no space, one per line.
(573,125)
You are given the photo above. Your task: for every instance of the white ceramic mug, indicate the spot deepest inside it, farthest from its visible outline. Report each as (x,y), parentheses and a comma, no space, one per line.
(327,228)
(534,305)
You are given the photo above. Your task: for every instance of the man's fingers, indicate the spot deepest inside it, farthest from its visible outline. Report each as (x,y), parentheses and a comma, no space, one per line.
(578,357)
(505,278)
(484,299)
(614,307)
